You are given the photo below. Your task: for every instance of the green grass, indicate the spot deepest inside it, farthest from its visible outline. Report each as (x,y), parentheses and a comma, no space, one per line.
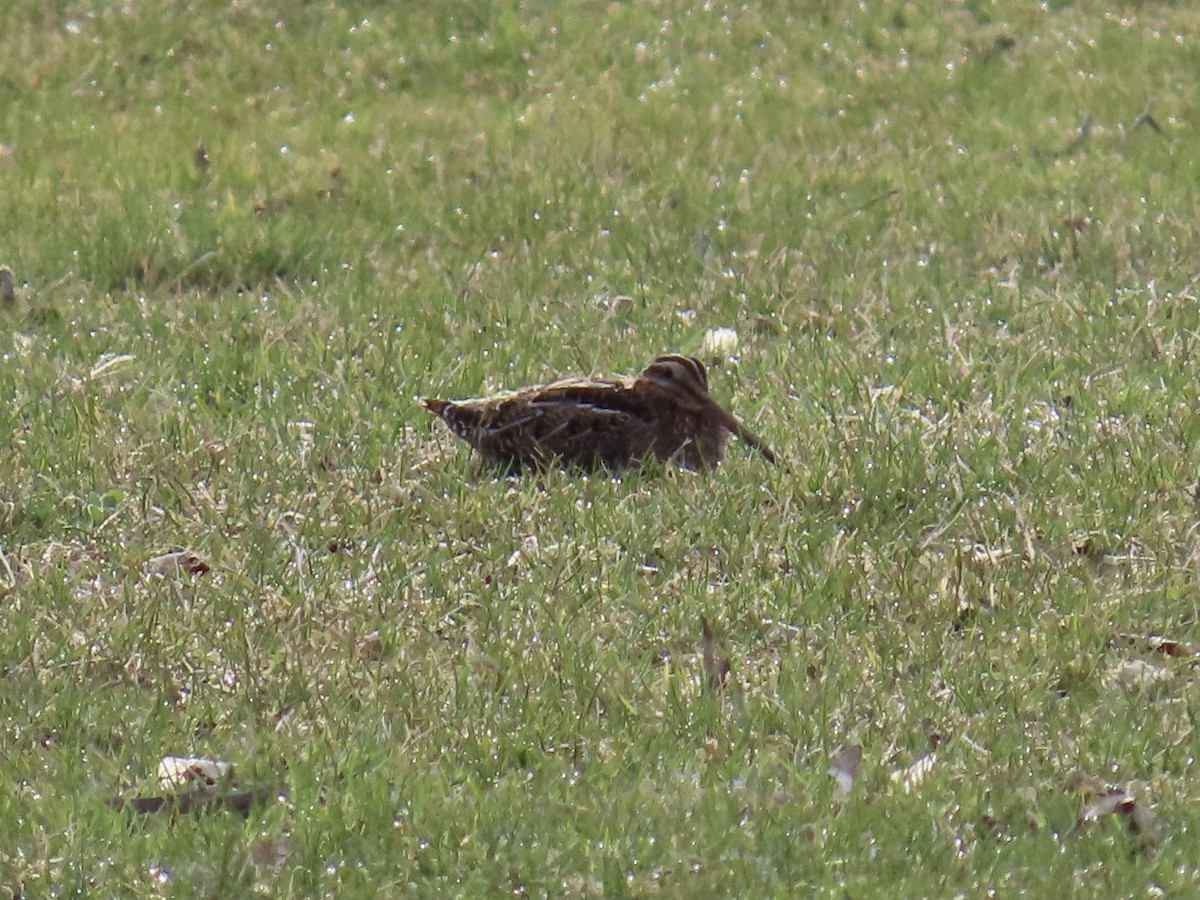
(969,324)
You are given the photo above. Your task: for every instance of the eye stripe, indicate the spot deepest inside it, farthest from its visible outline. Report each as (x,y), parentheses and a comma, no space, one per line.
(688,362)
(694,367)
(691,367)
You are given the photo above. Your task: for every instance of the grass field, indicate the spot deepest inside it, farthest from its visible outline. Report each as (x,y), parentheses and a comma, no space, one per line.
(959,245)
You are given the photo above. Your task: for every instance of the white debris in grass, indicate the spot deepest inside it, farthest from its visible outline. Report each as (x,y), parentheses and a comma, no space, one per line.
(181,771)
(720,342)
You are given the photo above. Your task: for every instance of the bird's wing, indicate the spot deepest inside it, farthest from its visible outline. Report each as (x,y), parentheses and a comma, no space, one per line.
(586,423)
(590,423)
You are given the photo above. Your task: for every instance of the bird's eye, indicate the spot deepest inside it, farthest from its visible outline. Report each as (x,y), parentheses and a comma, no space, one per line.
(668,373)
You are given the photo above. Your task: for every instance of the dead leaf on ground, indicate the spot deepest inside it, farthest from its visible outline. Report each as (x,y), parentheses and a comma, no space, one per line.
(274,203)
(1155,643)
(1090,548)
(1141,822)
(844,768)
(910,779)
(176,562)
(1105,804)
(371,647)
(993,826)
(270,853)
(8,287)
(1085,783)
(716,668)
(1146,118)
(1140,676)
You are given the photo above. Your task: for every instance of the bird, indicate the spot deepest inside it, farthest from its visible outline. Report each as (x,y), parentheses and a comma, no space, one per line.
(665,412)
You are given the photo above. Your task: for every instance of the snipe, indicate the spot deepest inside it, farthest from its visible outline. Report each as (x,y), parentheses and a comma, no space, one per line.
(666,412)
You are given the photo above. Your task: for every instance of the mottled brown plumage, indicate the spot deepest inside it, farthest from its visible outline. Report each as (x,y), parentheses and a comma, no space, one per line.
(666,412)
